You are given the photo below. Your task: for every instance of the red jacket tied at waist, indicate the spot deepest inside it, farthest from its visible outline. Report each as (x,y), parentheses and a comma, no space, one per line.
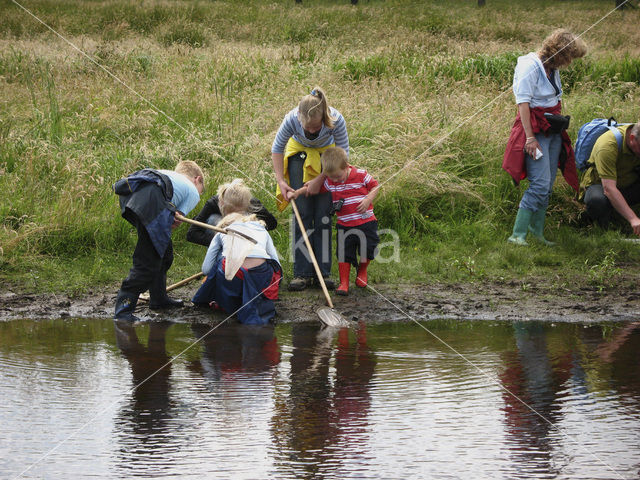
(514,155)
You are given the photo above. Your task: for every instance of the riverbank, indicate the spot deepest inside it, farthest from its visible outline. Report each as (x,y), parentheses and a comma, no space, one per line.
(535,299)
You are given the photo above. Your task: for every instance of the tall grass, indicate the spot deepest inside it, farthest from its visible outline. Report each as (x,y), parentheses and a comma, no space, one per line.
(430,68)
(479,69)
(602,73)
(424,87)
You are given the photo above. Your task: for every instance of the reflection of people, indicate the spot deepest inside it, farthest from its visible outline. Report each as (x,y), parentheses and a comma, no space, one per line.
(318,414)
(252,290)
(355,366)
(150,369)
(539,144)
(234,347)
(531,375)
(302,425)
(607,350)
(612,181)
(211,214)
(621,351)
(149,200)
(352,191)
(618,368)
(304,134)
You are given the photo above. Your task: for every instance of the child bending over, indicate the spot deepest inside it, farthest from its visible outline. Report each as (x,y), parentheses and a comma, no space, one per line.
(353,191)
(255,285)
(149,200)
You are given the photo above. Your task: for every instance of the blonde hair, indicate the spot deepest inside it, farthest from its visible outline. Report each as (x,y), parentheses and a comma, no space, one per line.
(334,160)
(190,169)
(234,199)
(560,48)
(237,217)
(314,105)
(234,196)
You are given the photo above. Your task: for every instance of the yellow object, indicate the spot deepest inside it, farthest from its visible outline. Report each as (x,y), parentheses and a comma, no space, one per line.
(312,166)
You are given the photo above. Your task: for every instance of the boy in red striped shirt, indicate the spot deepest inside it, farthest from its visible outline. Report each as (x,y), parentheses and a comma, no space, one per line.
(353,191)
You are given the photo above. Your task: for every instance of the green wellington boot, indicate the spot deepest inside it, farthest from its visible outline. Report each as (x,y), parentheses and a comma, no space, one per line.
(536,227)
(520,227)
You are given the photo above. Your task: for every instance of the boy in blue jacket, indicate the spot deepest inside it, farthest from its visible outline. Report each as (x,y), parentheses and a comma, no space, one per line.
(149,200)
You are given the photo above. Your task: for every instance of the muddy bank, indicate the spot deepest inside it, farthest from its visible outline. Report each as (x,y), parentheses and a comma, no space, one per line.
(482,301)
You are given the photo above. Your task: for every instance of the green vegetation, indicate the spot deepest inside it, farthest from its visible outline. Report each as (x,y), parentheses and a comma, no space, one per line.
(424,86)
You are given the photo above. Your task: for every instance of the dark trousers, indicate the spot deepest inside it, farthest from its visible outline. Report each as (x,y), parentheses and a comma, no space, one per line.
(357,241)
(147,264)
(315,211)
(243,294)
(599,207)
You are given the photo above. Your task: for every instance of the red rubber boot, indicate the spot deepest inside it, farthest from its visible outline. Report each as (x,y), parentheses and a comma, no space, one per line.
(361,277)
(345,270)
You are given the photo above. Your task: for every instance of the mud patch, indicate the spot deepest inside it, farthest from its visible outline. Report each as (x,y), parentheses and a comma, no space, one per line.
(481,301)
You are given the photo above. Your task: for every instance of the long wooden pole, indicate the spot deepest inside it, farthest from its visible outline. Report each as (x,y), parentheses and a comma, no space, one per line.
(145,296)
(215,229)
(313,257)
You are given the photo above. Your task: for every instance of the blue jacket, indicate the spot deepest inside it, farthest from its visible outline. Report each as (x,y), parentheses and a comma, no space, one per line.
(145,197)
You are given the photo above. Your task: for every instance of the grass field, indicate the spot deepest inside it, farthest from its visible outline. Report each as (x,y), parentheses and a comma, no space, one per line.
(425,88)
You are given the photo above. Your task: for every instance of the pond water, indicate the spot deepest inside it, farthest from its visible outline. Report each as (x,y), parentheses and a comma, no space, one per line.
(85,398)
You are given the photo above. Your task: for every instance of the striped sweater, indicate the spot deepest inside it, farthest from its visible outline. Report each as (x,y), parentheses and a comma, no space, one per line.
(291,127)
(353,190)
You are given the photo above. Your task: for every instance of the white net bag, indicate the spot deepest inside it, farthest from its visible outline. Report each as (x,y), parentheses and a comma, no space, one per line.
(236,248)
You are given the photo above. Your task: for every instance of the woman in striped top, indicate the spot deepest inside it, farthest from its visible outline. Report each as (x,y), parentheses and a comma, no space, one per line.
(306,132)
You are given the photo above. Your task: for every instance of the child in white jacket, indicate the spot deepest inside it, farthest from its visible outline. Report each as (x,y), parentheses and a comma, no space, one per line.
(251,291)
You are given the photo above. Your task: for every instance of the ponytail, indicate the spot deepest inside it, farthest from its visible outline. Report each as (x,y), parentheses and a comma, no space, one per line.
(314,105)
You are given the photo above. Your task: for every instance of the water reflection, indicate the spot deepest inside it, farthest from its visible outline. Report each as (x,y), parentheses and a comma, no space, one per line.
(554,375)
(320,420)
(233,348)
(144,424)
(622,354)
(533,379)
(297,401)
(355,365)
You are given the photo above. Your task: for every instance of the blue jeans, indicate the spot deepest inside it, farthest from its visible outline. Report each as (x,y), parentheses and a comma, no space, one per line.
(542,173)
(315,212)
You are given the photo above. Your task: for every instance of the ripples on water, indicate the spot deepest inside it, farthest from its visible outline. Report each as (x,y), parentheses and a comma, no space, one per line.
(528,400)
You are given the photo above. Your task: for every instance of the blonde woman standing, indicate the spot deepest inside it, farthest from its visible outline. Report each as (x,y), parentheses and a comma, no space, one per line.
(307,131)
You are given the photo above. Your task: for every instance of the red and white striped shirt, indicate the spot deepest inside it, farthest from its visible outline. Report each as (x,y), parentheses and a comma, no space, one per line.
(353,190)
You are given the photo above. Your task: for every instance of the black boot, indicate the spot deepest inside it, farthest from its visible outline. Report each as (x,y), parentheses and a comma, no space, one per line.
(125,305)
(158,298)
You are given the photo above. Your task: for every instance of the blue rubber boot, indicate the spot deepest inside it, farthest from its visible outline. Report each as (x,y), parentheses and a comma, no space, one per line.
(521,227)
(536,227)
(125,305)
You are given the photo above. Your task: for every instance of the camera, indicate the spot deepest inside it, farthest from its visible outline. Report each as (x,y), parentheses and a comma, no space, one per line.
(337,205)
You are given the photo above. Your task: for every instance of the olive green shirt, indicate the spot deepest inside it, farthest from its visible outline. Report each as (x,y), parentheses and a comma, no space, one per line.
(606,162)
